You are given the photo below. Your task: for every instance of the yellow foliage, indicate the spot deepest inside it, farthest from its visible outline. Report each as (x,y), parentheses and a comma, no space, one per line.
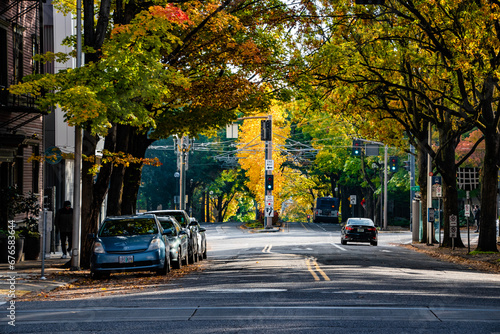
(252,153)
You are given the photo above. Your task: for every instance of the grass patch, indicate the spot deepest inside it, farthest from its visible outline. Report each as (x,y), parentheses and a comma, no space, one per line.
(254,224)
(479,252)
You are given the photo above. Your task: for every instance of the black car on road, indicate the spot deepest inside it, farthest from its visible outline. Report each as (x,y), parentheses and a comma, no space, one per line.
(359,230)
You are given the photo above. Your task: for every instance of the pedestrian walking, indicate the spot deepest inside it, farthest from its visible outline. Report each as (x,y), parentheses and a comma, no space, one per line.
(64,223)
(477,217)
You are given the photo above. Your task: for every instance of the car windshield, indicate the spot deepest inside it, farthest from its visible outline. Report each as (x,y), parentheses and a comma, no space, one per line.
(359,222)
(127,227)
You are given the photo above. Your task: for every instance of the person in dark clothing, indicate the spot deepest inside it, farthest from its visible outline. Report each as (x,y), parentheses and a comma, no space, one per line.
(477,217)
(64,223)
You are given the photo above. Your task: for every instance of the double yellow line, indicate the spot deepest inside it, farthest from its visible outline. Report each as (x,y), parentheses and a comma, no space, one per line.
(311,266)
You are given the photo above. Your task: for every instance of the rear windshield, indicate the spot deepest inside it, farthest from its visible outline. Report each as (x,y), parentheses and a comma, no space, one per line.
(166,224)
(179,216)
(364,222)
(325,203)
(127,227)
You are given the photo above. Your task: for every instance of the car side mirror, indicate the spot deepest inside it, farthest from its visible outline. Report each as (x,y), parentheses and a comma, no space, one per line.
(183,232)
(202,229)
(168,232)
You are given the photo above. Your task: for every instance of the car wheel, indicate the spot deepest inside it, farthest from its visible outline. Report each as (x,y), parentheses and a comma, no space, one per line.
(343,242)
(178,264)
(205,252)
(191,256)
(166,266)
(373,243)
(185,259)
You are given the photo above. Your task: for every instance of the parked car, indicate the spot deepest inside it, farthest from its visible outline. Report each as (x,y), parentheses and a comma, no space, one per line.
(183,219)
(130,243)
(202,238)
(359,230)
(178,240)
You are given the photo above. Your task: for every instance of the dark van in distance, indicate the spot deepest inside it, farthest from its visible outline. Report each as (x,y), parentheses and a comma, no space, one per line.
(326,210)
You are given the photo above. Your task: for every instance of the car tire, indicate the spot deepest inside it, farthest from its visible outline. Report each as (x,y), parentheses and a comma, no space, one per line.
(178,264)
(373,243)
(343,242)
(205,252)
(166,267)
(191,257)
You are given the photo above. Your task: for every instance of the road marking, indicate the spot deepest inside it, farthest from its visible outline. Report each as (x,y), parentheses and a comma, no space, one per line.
(249,290)
(267,249)
(339,247)
(312,262)
(309,267)
(304,226)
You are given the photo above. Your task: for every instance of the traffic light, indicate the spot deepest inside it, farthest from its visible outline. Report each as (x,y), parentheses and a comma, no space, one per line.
(393,164)
(269,182)
(266,130)
(356,147)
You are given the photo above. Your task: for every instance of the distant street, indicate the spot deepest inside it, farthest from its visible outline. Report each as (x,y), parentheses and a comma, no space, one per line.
(299,280)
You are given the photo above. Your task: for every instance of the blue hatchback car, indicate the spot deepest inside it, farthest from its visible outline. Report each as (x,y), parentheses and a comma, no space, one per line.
(130,243)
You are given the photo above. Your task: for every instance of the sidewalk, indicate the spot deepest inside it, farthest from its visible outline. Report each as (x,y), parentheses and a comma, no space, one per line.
(26,277)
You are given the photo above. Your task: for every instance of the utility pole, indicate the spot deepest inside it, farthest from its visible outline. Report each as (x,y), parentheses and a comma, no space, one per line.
(269,156)
(385,187)
(183,147)
(75,252)
(429,190)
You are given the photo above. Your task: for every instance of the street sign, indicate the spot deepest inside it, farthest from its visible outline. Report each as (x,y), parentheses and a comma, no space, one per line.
(436,180)
(269,211)
(453,226)
(353,199)
(453,220)
(467,210)
(439,191)
(453,231)
(269,164)
(430,214)
(415,188)
(269,201)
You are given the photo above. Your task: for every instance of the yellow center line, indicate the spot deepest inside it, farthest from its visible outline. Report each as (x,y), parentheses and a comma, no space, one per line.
(321,271)
(309,267)
(312,262)
(304,226)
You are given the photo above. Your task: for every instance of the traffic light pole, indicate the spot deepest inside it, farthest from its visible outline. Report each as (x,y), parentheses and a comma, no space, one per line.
(269,156)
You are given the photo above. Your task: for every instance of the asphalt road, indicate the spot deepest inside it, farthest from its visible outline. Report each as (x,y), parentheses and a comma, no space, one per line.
(300,280)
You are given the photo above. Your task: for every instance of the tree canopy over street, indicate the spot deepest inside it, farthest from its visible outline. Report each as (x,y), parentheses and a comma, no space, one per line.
(328,72)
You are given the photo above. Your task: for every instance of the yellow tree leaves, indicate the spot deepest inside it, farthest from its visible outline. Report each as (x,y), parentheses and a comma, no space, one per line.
(251,153)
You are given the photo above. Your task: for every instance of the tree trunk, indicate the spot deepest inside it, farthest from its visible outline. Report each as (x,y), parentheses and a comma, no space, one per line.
(489,188)
(138,144)
(116,183)
(447,167)
(93,194)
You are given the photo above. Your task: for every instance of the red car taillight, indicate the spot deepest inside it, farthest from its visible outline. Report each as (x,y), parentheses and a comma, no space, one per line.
(348,228)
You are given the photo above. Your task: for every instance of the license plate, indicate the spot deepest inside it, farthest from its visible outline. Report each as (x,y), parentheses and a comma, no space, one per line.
(360,230)
(126,259)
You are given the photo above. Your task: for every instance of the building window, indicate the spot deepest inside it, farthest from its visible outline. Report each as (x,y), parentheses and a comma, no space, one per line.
(18,55)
